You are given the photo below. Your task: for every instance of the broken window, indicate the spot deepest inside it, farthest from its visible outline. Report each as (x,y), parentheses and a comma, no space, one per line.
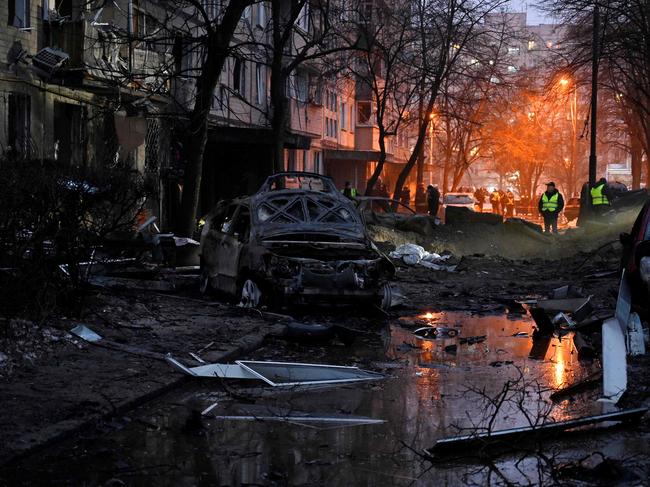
(18,124)
(241,225)
(239,76)
(221,222)
(364,112)
(69,134)
(260,78)
(18,13)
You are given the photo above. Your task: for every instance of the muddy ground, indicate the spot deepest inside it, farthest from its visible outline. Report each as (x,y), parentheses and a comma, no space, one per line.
(55,386)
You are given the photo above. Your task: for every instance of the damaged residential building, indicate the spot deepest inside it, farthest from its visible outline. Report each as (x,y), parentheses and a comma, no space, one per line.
(90,84)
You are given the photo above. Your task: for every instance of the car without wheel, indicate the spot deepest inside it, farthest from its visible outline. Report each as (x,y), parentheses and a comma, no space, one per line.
(298,240)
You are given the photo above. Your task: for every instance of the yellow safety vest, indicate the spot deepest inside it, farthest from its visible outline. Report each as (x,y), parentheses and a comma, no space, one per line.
(597,195)
(550,204)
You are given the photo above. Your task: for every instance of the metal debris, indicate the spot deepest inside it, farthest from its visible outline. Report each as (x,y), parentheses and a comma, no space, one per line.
(512,436)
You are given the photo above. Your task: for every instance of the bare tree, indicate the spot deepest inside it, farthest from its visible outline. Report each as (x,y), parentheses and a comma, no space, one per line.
(447,31)
(150,49)
(624,54)
(385,73)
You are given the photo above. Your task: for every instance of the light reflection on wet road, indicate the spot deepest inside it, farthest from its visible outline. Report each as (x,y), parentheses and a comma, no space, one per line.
(425,396)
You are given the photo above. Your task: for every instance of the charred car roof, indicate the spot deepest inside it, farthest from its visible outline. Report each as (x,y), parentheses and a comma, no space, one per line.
(300,202)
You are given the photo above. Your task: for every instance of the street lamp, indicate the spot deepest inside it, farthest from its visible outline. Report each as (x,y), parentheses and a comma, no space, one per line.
(573,110)
(432,117)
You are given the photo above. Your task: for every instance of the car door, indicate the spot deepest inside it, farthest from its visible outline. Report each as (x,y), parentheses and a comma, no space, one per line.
(211,242)
(233,241)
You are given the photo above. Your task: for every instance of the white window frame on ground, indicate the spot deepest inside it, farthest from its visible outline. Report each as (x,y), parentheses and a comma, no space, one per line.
(19,13)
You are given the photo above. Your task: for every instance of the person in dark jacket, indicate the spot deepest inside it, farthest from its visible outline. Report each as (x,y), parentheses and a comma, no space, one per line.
(550,205)
(433,200)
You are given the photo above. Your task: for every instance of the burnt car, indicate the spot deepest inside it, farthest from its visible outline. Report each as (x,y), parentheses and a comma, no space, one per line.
(298,240)
(635,259)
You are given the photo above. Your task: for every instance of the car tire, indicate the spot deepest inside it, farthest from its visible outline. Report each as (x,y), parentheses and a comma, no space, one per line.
(251,295)
(386,297)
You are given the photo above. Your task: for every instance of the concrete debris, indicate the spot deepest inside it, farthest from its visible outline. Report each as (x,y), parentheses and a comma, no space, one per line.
(583,346)
(635,340)
(431,333)
(614,362)
(412,254)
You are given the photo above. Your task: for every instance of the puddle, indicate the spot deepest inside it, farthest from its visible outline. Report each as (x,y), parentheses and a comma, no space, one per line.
(424,397)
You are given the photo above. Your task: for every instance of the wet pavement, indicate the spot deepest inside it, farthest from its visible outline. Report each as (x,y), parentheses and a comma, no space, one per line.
(433,388)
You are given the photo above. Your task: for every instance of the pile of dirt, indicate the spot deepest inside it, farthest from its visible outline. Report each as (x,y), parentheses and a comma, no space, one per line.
(514,239)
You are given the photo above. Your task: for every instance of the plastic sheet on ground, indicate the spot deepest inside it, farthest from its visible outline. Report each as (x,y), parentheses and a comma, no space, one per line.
(412,254)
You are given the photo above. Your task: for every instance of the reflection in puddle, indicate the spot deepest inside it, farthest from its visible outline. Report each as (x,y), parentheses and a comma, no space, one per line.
(423,399)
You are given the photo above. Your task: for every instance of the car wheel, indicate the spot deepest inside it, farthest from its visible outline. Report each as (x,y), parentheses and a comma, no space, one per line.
(386,297)
(251,296)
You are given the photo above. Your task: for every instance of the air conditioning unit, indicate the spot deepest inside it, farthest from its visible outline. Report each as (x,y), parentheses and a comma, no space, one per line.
(48,61)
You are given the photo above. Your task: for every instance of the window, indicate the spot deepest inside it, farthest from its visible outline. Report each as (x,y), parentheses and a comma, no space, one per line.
(18,13)
(318,163)
(247,14)
(303,17)
(239,77)
(260,83)
(344,116)
(331,127)
(261,15)
(531,45)
(513,50)
(364,112)
(18,123)
(211,8)
(512,69)
(301,86)
(331,101)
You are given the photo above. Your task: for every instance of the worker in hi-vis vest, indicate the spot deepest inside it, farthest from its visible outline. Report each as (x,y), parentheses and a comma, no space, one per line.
(550,205)
(599,197)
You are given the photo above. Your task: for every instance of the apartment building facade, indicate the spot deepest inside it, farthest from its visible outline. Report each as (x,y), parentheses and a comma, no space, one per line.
(91,84)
